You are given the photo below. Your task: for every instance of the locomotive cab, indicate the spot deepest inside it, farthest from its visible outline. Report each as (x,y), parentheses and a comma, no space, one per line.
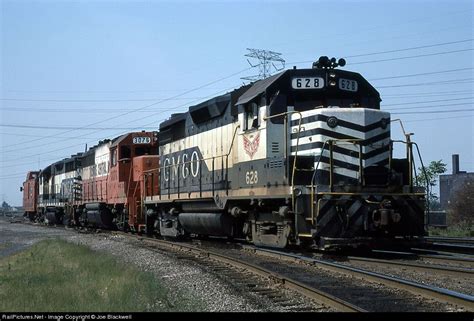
(130,156)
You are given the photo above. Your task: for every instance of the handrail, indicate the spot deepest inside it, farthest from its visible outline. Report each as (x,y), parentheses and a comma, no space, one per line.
(227,160)
(202,159)
(199,161)
(409,143)
(319,160)
(409,151)
(349,140)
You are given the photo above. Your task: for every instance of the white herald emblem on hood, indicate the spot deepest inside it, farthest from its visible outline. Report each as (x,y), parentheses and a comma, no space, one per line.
(251,147)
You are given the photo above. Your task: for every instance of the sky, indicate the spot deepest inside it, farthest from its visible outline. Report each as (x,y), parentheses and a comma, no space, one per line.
(76,72)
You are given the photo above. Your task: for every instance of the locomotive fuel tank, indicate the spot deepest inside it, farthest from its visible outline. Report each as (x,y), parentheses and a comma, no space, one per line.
(215,224)
(53,215)
(98,215)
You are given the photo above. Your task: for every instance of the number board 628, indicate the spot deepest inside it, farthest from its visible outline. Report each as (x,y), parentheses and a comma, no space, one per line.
(348,85)
(307,83)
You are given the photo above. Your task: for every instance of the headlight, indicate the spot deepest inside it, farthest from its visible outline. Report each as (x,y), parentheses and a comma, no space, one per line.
(332,122)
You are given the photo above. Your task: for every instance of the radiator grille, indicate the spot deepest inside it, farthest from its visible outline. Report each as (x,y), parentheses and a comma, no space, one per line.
(275,147)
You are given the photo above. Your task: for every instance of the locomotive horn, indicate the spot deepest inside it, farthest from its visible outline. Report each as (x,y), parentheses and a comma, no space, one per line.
(341,62)
(323,61)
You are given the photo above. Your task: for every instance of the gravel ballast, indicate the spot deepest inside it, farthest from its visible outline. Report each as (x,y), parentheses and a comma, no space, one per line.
(186,280)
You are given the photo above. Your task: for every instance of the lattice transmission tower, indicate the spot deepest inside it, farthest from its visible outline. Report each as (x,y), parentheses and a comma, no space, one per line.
(267,60)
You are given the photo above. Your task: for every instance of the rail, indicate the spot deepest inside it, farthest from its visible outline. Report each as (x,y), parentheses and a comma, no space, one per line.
(287,282)
(439,294)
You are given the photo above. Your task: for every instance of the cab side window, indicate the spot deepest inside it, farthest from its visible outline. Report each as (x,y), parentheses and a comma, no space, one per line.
(125,152)
(113,157)
(251,118)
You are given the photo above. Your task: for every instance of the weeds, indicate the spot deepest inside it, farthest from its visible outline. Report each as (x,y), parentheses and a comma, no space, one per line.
(54,275)
(456,230)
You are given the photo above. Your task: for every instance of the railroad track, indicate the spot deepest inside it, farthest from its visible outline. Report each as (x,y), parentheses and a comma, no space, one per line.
(447,248)
(288,283)
(459,245)
(440,257)
(442,295)
(333,299)
(439,294)
(450,271)
(452,240)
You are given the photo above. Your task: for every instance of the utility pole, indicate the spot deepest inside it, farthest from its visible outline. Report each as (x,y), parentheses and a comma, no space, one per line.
(266,59)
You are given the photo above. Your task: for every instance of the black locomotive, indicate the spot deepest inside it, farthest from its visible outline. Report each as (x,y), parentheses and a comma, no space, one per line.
(303,157)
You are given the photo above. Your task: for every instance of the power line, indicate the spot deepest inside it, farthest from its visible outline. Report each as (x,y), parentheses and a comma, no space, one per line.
(113,110)
(422,74)
(359,31)
(13,177)
(433,112)
(432,106)
(85,110)
(411,48)
(434,83)
(429,101)
(439,118)
(194,89)
(73,110)
(411,57)
(43,160)
(437,93)
(98,91)
(398,50)
(135,128)
(92,142)
(65,127)
(26,135)
(153,104)
(14,174)
(96,100)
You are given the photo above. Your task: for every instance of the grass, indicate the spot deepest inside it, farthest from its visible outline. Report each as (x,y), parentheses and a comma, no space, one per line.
(56,276)
(458,230)
(4,245)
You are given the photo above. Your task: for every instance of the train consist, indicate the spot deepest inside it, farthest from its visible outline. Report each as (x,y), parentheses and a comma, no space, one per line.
(102,187)
(304,157)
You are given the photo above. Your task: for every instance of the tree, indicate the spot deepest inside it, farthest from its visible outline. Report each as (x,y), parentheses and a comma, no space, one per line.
(430,175)
(5,206)
(461,207)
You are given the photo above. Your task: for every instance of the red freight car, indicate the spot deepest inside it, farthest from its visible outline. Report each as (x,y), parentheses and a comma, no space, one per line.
(30,194)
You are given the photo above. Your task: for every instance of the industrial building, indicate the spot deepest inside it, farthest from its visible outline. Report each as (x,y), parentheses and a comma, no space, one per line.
(450,183)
